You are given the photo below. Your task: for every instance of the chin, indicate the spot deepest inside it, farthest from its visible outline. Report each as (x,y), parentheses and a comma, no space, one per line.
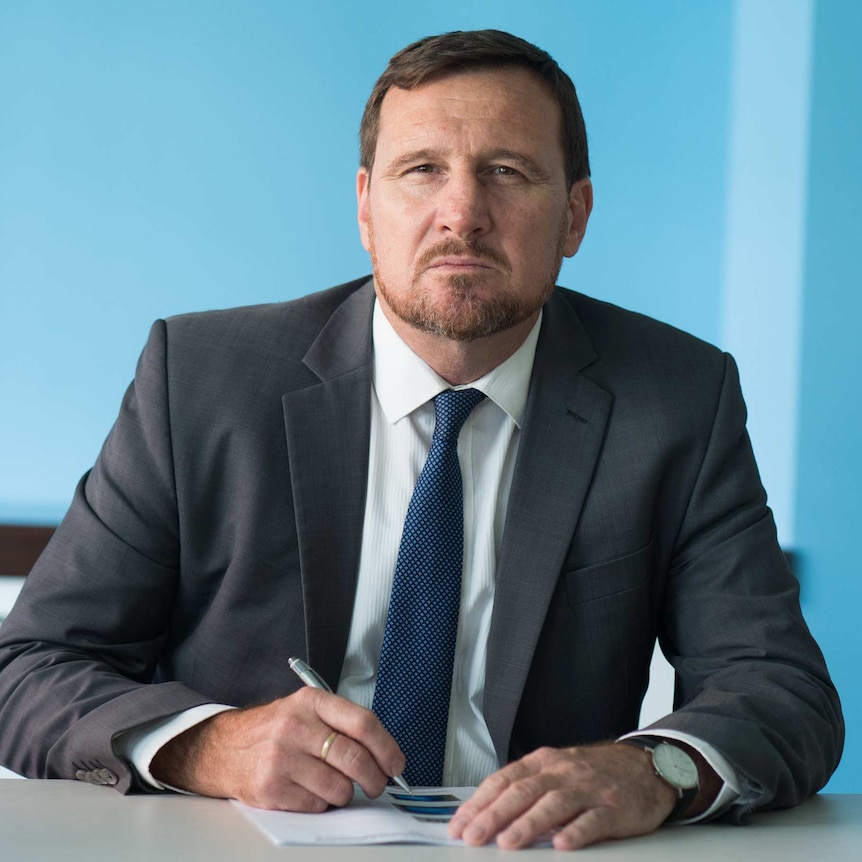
(467,320)
(460,308)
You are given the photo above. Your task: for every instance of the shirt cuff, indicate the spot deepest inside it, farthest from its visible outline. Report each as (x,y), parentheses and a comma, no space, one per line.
(140,744)
(731,789)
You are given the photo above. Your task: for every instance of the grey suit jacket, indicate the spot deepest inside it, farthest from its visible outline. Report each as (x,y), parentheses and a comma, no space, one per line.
(219,533)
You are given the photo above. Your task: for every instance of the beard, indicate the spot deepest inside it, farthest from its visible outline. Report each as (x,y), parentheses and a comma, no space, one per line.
(460,309)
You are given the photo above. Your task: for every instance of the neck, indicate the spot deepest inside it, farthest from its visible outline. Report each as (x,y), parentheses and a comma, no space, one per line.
(460,362)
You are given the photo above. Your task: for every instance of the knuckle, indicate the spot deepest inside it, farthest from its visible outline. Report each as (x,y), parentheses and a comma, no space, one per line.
(559,799)
(543,756)
(353,758)
(310,804)
(497,782)
(305,697)
(337,789)
(613,795)
(528,788)
(363,725)
(531,823)
(466,819)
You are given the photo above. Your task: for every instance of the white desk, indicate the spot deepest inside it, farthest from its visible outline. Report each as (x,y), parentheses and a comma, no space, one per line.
(50,820)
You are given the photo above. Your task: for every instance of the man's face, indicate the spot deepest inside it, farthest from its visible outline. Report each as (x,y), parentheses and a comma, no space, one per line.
(466,214)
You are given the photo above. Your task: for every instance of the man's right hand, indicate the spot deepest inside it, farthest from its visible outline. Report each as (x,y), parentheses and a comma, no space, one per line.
(270,756)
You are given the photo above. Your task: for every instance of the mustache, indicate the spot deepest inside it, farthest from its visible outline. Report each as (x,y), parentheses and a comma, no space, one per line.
(463,248)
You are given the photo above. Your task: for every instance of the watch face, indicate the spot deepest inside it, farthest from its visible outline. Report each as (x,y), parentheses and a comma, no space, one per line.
(675,766)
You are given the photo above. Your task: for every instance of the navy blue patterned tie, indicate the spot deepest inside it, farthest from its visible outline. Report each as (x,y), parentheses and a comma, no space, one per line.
(414,677)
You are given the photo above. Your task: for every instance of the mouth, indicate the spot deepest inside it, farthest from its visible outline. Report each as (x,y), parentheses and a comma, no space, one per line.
(460,263)
(454,258)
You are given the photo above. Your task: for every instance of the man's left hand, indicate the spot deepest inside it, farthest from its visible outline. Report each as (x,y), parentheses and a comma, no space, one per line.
(582,795)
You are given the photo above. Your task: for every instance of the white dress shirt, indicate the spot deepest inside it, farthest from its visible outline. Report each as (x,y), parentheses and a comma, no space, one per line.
(402,424)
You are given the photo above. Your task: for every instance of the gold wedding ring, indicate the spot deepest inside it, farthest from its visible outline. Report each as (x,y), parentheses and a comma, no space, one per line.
(328,744)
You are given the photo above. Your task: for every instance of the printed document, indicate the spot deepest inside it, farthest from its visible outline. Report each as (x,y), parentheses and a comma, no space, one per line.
(394,818)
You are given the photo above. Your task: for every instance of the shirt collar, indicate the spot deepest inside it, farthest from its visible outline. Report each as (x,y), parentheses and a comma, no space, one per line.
(403,382)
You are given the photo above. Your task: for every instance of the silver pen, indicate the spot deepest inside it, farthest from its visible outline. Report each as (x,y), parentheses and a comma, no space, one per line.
(313,679)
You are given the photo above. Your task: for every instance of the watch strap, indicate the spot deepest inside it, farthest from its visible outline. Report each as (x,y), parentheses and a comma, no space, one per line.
(685,795)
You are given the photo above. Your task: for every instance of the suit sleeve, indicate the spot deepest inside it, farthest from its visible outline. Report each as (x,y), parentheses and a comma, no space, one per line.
(79,651)
(750,679)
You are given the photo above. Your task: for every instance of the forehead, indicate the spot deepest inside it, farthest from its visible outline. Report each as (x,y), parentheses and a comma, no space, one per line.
(506,107)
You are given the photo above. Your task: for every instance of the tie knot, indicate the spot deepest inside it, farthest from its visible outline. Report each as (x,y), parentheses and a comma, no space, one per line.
(451,409)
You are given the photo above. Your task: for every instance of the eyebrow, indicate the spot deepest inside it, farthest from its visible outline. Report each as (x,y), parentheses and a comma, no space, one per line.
(415,157)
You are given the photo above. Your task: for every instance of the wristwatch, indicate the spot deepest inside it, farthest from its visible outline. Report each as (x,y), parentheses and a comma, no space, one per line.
(674,765)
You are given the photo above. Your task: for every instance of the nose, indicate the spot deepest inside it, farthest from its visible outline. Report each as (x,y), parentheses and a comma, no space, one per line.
(463,207)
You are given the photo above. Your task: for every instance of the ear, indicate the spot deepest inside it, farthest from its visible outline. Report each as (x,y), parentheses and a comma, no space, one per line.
(363,206)
(580,206)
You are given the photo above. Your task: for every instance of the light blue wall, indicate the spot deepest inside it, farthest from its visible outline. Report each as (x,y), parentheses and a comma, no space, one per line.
(764,244)
(159,157)
(164,157)
(829,498)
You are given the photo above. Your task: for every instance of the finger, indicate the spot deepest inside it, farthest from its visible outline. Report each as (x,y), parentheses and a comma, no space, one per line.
(362,726)
(294,781)
(355,762)
(323,780)
(282,793)
(488,792)
(590,827)
(555,808)
(510,804)
(355,749)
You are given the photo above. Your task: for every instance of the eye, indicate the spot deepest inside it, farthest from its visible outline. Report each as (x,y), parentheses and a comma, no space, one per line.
(421,169)
(504,171)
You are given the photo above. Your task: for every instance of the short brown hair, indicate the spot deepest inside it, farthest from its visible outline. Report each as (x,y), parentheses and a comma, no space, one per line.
(462,50)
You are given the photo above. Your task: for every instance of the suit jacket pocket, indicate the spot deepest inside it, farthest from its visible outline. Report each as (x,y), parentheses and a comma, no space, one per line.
(609,578)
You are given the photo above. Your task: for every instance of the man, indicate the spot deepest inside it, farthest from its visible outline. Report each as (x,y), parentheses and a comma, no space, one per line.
(609,497)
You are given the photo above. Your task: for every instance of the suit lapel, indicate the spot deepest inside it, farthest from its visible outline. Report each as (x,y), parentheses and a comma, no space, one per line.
(328,427)
(560,445)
